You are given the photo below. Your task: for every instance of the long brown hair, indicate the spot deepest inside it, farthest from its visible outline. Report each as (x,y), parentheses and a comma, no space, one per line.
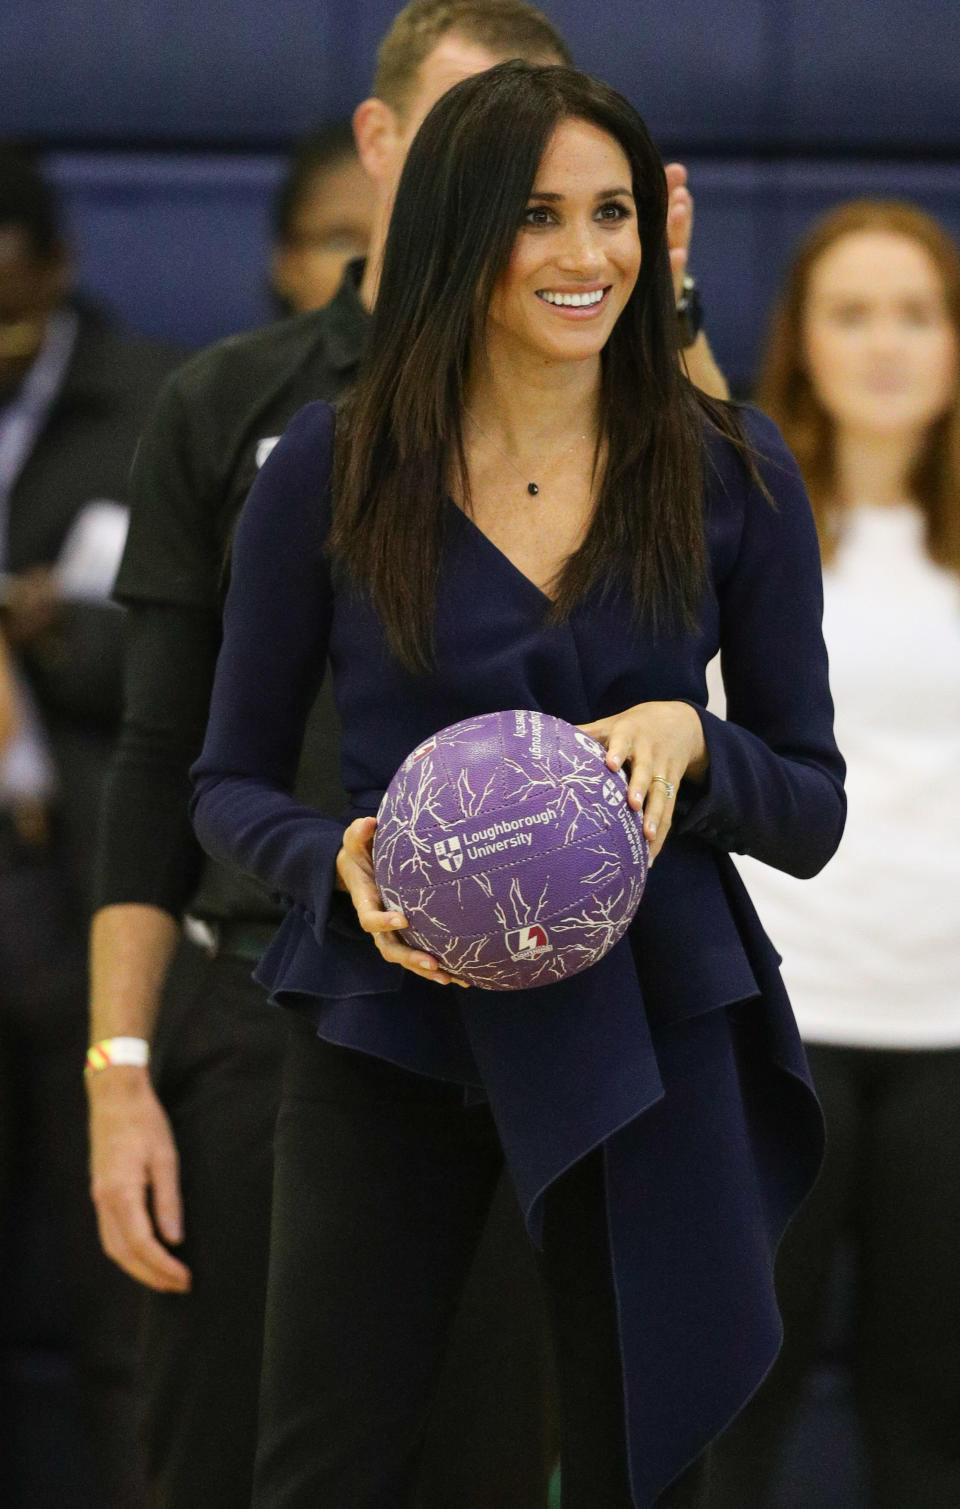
(460,201)
(786,393)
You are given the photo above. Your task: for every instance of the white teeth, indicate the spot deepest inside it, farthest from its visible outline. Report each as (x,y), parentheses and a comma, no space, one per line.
(571,300)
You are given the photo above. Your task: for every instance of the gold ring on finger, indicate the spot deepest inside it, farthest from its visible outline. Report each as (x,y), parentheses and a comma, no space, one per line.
(668,786)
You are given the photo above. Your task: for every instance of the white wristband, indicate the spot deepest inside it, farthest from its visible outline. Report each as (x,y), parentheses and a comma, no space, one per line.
(109,1051)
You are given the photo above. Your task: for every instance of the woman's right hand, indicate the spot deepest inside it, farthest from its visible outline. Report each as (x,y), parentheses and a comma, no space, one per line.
(355,876)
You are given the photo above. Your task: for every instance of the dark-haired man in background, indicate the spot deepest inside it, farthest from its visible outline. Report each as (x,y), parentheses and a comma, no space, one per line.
(491,1441)
(322,218)
(74,393)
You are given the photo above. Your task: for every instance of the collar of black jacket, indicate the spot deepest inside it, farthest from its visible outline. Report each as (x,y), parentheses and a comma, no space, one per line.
(347,321)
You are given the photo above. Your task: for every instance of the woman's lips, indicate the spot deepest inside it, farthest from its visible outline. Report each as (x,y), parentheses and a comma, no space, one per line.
(577,311)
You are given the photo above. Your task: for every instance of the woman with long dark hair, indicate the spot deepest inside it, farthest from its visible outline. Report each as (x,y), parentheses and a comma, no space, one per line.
(528,506)
(862,373)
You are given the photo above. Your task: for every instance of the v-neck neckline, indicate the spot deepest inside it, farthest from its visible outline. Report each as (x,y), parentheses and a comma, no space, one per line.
(544,597)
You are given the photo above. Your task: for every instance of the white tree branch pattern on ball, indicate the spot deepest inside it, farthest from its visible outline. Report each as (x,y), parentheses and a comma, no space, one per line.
(511,850)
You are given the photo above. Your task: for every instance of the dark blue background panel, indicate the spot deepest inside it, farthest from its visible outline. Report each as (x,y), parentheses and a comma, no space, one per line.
(246,73)
(863,73)
(744,75)
(183,70)
(178,246)
(700,75)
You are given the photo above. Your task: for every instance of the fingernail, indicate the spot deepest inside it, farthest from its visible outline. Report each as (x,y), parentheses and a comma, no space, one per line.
(651,830)
(395,920)
(613,762)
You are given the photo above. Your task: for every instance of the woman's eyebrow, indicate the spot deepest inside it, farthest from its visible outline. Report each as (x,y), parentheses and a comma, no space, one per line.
(552,198)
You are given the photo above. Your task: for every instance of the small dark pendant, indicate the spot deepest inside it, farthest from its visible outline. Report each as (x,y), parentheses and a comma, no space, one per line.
(532,489)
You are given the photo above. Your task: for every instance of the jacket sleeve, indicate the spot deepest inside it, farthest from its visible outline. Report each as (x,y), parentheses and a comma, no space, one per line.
(774,788)
(146,851)
(276,628)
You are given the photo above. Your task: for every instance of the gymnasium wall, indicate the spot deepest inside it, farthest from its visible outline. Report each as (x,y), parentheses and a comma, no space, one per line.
(166,126)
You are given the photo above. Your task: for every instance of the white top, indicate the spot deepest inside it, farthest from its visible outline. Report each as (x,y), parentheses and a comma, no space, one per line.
(871,946)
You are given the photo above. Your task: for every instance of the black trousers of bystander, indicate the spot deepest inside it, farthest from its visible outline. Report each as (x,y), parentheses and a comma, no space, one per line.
(68,1316)
(890,1186)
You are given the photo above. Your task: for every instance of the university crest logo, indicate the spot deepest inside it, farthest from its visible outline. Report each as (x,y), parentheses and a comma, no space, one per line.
(449,853)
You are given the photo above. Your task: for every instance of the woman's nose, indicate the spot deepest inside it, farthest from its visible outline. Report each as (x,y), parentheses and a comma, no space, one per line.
(582,251)
(886,334)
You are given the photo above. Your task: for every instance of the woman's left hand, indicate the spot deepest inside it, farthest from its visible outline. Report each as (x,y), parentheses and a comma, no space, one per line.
(661,742)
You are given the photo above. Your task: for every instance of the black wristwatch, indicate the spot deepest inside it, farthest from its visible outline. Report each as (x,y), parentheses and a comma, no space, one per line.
(689,312)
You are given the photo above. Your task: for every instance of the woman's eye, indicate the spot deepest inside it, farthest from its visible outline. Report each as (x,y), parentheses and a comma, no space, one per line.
(918,315)
(536,214)
(612,211)
(849,315)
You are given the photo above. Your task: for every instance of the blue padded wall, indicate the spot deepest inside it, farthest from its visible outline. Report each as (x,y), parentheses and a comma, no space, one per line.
(203,71)
(177,244)
(736,74)
(864,74)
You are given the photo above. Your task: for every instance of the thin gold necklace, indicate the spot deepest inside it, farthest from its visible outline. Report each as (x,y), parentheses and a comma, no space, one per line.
(533,488)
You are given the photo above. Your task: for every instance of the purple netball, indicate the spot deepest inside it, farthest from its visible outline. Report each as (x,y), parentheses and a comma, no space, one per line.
(511,850)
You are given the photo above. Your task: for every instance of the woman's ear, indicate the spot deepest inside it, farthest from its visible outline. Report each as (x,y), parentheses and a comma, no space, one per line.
(376,132)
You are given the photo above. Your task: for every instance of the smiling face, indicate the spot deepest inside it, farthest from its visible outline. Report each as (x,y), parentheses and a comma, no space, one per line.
(880,346)
(576,257)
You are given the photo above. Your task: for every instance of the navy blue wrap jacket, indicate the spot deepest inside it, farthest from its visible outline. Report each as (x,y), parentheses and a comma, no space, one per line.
(678,1052)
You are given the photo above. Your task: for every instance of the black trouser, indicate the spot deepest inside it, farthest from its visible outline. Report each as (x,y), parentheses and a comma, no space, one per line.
(217,1062)
(890,1183)
(62,1302)
(217,1059)
(383,1184)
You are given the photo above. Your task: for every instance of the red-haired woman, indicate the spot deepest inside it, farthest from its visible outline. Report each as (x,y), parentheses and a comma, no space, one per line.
(861,375)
